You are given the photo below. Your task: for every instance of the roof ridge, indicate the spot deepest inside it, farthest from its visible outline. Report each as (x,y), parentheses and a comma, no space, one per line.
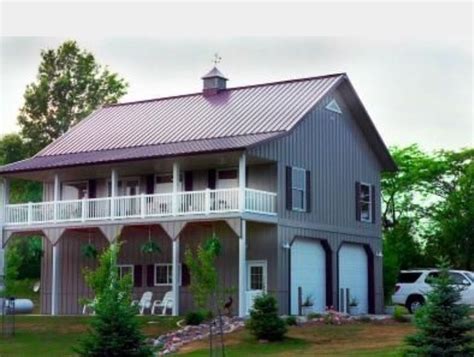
(227,90)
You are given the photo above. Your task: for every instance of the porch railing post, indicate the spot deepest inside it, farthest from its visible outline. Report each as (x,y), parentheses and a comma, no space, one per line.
(56,197)
(207,201)
(30,213)
(242,179)
(83,209)
(175,287)
(142,205)
(175,187)
(242,269)
(113,192)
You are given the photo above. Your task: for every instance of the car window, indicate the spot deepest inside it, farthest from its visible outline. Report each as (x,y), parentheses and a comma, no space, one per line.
(407,278)
(471,276)
(431,276)
(458,278)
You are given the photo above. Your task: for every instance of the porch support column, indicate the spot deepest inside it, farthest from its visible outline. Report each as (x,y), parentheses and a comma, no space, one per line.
(242,179)
(56,193)
(4,185)
(113,192)
(54,280)
(175,286)
(242,268)
(175,187)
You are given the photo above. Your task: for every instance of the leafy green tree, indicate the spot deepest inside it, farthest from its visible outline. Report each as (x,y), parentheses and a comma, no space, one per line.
(12,148)
(444,326)
(70,84)
(202,269)
(115,329)
(264,322)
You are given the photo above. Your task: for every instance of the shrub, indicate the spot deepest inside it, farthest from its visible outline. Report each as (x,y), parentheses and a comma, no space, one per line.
(114,328)
(195,318)
(291,321)
(314,315)
(400,314)
(444,326)
(264,322)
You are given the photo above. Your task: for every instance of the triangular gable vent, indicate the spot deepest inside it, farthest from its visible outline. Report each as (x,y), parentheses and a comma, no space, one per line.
(334,107)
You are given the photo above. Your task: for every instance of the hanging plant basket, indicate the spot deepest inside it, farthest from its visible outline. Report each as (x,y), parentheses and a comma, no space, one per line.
(150,247)
(213,245)
(89,251)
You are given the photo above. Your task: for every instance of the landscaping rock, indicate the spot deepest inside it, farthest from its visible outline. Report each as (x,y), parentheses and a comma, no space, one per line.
(173,341)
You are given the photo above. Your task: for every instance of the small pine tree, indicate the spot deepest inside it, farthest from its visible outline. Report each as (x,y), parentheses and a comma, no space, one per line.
(115,329)
(264,323)
(443,324)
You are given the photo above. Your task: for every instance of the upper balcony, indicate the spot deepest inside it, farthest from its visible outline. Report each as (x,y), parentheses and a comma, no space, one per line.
(151,191)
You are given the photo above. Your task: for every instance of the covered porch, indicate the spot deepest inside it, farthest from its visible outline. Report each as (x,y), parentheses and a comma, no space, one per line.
(246,265)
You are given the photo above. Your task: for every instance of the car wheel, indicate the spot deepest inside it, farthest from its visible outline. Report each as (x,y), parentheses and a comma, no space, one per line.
(414,303)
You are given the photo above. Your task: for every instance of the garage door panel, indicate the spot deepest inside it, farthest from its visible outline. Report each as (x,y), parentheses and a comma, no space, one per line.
(308,271)
(353,273)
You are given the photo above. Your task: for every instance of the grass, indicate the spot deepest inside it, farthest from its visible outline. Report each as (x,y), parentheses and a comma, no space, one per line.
(363,339)
(55,335)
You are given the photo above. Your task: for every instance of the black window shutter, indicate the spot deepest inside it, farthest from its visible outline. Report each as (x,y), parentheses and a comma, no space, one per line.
(137,276)
(188,180)
(308,191)
(357,200)
(211,179)
(373,203)
(150,184)
(92,189)
(185,277)
(289,203)
(150,275)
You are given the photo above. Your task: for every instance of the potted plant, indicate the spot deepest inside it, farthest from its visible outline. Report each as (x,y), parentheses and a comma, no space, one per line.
(89,251)
(307,305)
(354,307)
(150,247)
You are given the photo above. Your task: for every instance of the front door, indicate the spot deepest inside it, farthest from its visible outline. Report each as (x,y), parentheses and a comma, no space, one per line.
(256,281)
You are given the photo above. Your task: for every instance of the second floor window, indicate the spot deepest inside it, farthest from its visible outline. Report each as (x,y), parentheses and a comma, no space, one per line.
(124,270)
(298,189)
(365,208)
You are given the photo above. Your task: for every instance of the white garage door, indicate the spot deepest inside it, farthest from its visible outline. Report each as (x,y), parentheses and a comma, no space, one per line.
(308,271)
(353,274)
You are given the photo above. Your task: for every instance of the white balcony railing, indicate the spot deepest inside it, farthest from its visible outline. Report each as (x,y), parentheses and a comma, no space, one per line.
(204,202)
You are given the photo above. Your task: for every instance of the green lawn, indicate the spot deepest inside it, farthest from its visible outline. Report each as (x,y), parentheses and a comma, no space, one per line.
(364,339)
(55,335)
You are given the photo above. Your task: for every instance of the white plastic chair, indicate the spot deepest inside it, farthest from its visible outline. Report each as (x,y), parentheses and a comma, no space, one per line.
(164,304)
(144,303)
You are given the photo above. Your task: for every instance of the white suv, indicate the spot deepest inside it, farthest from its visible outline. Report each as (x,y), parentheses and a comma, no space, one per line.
(413,285)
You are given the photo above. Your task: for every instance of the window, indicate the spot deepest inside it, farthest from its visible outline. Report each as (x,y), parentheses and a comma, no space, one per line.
(164,274)
(126,187)
(365,202)
(298,189)
(125,269)
(256,275)
(459,279)
(334,107)
(227,178)
(227,174)
(408,278)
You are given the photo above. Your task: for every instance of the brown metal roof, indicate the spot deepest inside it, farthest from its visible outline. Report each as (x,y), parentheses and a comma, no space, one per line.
(232,119)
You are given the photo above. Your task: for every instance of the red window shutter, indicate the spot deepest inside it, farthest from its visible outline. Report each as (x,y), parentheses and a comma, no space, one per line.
(308,191)
(137,276)
(185,277)
(357,200)
(289,201)
(373,203)
(211,179)
(188,180)
(150,275)
(92,189)
(150,184)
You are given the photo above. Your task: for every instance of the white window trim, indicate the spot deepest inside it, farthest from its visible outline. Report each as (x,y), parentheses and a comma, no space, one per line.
(366,220)
(72,182)
(259,263)
(293,208)
(132,269)
(122,180)
(170,265)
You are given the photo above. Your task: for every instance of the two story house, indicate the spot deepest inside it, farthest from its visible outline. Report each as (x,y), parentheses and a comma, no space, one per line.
(285,174)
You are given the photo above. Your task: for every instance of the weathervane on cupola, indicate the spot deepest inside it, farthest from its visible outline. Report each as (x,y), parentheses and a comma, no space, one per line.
(214,81)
